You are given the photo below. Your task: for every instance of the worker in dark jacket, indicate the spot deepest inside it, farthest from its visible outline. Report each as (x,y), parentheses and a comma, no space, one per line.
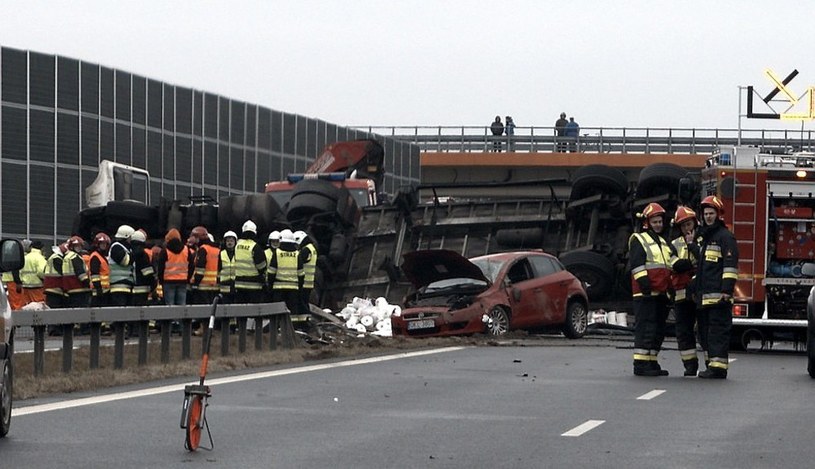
(143,271)
(250,266)
(75,278)
(650,260)
(99,270)
(120,263)
(714,284)
(684,306)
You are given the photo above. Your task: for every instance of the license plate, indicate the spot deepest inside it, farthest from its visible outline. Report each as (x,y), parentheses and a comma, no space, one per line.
(421,324)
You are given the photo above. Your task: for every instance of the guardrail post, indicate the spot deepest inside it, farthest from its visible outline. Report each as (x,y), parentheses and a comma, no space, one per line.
(96,337)
(258,332)
(273,325)
(225,338)
(241,334)
(39,350)
(67,347)
(186,329)
(165,326)
(119,345)
(143,331)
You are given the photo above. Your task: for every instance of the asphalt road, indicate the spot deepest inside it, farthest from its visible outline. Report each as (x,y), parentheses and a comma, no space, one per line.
(559,405)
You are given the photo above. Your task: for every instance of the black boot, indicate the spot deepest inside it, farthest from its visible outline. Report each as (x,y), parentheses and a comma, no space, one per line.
(691,367)
(713,373)
(644,368)
(660,371)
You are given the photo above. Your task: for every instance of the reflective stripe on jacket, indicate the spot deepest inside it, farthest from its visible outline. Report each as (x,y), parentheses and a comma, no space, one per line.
(247,272)
(121,273)
(33,272)
(210,270)
(287,273)
(103,275)
(53,274)
(226,272)
(656,264)
(177,267)
(680,281)
(310,267)
(74,276)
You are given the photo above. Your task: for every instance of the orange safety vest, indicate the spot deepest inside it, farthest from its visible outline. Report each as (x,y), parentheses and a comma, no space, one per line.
(210,270)
(104,271)
(177,266)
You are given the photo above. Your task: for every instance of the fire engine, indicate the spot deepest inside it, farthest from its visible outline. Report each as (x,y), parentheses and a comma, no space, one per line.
(769,204)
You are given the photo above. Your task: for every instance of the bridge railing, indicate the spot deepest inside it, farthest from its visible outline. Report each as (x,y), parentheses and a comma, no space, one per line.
(64,320)
(596,139)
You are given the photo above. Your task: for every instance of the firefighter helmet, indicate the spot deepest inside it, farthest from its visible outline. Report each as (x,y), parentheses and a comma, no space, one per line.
(138,236)
(299,236)
(286,236)
(715,202)
(651,210)
(274,237)
(199,232)
(250,227)
(75,242)
(101,238)
(683,214)
(124,232)
(230,234)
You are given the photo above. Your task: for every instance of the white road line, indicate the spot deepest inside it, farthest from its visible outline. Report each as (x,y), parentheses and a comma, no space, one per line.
(650,395)
(36,409)
(584,427)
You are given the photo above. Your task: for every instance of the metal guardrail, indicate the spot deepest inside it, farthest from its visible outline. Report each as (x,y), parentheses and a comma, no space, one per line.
(596,139)
(164,317)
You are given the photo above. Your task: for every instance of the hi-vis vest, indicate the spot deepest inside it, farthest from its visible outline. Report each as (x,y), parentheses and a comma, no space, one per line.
(210,270)
(53,277)
(247,274)
(33,272)
(310,267)
(657,265)
(286,273)
(121,276)
(73,281)
(681,281)
(177,267)
(226,276)
(103,276)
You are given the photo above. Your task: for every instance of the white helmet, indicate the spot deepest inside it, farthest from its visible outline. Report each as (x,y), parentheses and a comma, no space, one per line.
(124,232)
(210,237)
(299,236)
(138,236)
(250,226)
(230,234)
(286,236)
(274,236)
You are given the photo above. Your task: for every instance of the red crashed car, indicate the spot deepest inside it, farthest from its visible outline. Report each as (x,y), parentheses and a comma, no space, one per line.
(493,294)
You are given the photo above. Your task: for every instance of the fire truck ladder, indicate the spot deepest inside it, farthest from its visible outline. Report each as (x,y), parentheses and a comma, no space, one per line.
(744,218)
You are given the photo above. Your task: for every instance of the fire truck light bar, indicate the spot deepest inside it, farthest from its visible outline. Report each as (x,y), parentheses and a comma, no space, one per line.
(295,178)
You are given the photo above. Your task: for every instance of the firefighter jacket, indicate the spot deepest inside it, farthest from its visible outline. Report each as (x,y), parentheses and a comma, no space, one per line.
(143,272)
(309,265)
(681,281)
(718,264)
(33,272)
(121,268)
(226,270)
(100,273)
(250,263)
(74,275)
(53,274)
(206,268)
(650,258)
(286,267)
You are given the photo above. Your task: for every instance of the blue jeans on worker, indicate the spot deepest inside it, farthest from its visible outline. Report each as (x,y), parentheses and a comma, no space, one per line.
(175,293)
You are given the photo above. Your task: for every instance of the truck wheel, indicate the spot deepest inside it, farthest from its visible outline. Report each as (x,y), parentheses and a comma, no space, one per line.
(318,187)
(598,179)
(595,270)
(659,178)
(307,205)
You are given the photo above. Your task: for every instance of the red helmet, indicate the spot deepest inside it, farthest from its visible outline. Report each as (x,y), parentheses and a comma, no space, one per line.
(199,232)
(715,202)
(101,238)
(75,242)
(683,214)
(651,210)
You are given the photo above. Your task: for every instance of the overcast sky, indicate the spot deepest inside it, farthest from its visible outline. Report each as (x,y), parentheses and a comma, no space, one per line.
(364,62)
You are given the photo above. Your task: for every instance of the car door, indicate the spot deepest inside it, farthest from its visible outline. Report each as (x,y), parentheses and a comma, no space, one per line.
(551,286)
(524,293)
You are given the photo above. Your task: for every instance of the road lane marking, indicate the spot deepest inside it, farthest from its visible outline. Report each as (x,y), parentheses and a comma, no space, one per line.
(650,395)
(36,409)
(584,427)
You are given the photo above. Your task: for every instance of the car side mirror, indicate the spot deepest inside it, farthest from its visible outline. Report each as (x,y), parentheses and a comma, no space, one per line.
(516,294)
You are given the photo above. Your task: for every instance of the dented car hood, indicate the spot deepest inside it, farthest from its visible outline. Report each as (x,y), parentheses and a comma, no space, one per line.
(425,267)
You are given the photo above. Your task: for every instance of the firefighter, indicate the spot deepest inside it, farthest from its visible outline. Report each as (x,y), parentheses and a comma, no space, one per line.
(684,307)
(309,254)
(650,257)
(715,281)
(52,283)
(100,270)
(120,262)
(144,275)
(205,276)
(33,274)
(75,280)
(250,265)
(226,267)
(273,243)
(14,286)
(286,276)
(174,268)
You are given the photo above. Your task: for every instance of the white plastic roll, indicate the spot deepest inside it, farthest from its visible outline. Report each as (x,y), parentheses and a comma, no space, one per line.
(361,329)
(366,321)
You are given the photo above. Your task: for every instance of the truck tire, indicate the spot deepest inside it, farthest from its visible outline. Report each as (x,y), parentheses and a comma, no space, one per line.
(306,205)
(596,270)
(317,187)
(598,179)
(659,178)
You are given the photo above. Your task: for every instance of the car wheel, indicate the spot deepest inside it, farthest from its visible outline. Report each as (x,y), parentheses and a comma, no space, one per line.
(498,323)
(5,399)
(577,320)
(811,351)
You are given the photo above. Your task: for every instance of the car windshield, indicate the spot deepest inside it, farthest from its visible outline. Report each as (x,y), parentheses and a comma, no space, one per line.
(490,267)
(456,283)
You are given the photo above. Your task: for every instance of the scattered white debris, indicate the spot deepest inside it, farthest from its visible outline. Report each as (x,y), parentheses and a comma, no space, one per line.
(613,318)
(366,316)
(35,306)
